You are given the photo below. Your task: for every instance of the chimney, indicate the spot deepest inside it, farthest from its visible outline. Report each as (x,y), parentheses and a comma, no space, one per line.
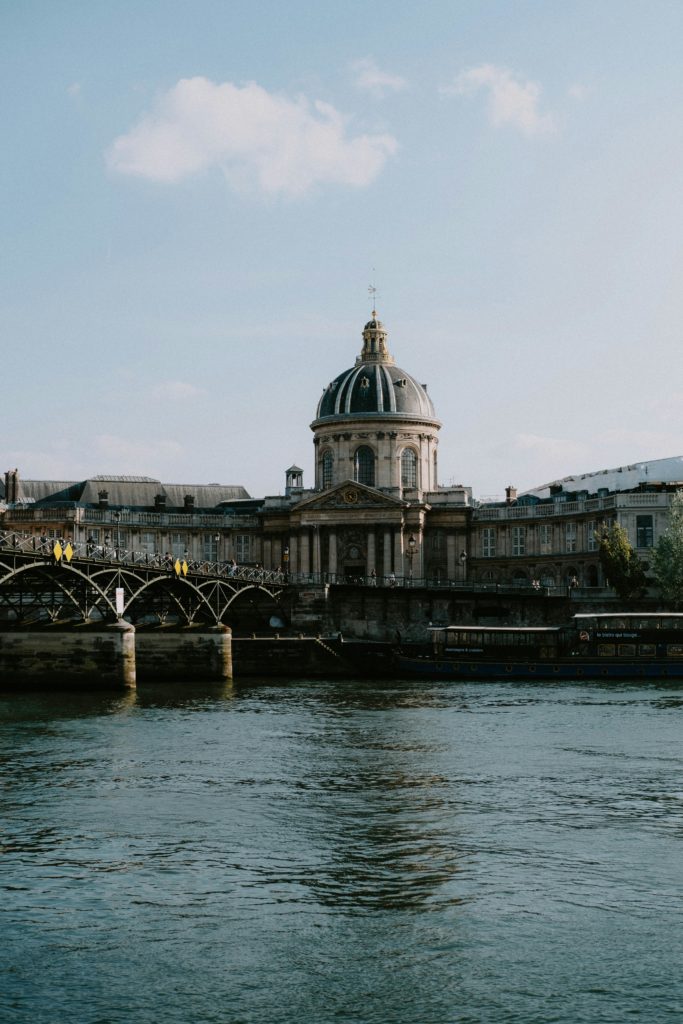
(510,495)
(12,489)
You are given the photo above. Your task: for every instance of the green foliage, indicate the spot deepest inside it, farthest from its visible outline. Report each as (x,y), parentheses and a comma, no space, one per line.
(668,560)
(621,566)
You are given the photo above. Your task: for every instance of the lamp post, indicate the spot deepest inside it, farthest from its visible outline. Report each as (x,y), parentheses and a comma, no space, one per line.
(217,539)
(117,520)
(285,562)
(412,546)
(463,563)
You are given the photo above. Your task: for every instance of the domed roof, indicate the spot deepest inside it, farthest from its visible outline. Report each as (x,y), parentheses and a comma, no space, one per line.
(371,390)
(375,386)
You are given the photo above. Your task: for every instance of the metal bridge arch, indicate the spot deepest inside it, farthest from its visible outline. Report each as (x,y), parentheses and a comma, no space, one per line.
(29,586)
(56,576)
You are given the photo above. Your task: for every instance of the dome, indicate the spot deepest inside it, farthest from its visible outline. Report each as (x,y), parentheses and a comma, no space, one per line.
(374,391)
(375,386)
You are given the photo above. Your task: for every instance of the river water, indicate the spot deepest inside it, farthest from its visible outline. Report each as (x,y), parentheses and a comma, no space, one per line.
(333,852)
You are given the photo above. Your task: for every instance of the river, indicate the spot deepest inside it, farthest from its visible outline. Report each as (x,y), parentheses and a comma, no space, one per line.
(336,852)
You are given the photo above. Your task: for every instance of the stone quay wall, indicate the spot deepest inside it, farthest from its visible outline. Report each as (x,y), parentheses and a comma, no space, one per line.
(113,657)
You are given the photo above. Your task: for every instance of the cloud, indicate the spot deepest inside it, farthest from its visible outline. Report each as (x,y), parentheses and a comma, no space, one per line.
(371,79)
(578,91)
(511,100)
(175,391)
(283,146)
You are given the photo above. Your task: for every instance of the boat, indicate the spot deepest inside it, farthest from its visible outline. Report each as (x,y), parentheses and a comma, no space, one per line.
(624,645)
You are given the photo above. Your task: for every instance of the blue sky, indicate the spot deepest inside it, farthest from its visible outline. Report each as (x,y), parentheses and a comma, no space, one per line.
(196,197)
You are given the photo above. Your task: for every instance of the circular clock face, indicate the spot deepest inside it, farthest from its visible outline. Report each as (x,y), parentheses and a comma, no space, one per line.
(350,496)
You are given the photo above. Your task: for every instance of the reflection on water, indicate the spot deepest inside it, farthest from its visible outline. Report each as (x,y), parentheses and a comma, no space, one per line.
(342,852)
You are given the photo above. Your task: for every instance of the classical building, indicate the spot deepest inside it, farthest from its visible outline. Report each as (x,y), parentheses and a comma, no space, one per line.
(376,510)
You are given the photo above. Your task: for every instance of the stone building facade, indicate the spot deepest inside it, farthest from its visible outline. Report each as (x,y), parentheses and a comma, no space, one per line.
(376,511)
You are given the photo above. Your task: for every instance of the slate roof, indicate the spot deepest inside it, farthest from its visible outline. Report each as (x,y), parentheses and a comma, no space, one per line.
(128,492)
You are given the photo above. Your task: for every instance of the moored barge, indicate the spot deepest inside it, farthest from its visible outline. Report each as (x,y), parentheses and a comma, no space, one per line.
(622,645)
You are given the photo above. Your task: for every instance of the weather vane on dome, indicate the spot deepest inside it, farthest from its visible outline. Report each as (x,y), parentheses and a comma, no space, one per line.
(372,292)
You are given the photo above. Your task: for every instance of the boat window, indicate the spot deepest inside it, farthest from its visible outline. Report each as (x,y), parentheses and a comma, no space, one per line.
(647,650)
(605,650)
(674,650)
(669,623)
(627,650)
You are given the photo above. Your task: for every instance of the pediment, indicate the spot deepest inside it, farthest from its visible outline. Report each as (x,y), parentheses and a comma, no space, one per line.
(350,495)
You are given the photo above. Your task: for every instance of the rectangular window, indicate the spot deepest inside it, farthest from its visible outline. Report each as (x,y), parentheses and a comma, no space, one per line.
(242,548)
(178,544)
(591,542)
(148,542)
(518,540)
(644,532)
(210,547)
(488,542)
(570,537)
(545,538)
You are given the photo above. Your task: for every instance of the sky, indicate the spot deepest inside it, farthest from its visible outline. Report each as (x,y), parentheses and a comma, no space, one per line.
(197,196)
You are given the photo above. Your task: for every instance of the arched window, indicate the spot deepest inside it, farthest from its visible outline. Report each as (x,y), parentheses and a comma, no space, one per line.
(364,466)
(408,468)
(327,466)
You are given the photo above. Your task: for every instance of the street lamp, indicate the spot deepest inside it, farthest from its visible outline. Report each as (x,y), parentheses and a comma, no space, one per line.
(463,563)
(285,562)
(117,520)
(412,546)
(217,539)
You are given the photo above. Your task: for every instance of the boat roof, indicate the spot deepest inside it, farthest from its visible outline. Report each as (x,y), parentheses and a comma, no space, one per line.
(501,629)
(629,615)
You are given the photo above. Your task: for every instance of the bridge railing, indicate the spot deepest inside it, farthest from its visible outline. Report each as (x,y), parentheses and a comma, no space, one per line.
(110,554)
(46,547)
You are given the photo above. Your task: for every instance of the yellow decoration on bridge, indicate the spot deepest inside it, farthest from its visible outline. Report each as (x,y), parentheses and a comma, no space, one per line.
(57,551)
(68,552)
(177,567)
(184,567)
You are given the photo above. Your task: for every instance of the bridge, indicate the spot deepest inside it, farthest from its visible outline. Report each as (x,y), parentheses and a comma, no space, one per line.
(45,581)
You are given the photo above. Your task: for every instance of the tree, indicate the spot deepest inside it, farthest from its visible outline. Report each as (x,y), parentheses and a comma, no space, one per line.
(668,560)
(621,566)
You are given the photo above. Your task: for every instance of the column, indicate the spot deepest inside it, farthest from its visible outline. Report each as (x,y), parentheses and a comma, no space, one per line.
(419,559)
(332,560)
(386,568)
(451,556)
(372,557)
(305,561)
(315,554)
(293,555)
(400,567)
